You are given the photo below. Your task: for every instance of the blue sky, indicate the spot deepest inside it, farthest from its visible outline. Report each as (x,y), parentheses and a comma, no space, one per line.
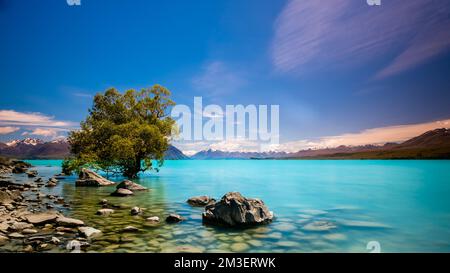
(335,68)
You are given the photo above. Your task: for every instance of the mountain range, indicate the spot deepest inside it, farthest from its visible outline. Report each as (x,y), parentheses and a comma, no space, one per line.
(433,144)
(32,148)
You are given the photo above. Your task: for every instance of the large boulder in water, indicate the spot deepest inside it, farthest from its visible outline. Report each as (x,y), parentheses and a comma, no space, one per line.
(235,210)
(88,178)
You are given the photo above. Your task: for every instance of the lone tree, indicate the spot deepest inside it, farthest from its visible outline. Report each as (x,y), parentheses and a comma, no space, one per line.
(123,133)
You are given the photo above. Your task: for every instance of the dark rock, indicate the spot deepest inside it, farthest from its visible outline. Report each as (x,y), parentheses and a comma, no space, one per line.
(32,173)
(88,178)
(200,201)
(18,169)
(174,218)
(50,184)
(235,210)
(53,180)
(135,210)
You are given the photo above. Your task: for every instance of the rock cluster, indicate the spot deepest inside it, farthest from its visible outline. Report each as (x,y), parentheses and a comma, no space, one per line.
(13,166)
(33,221)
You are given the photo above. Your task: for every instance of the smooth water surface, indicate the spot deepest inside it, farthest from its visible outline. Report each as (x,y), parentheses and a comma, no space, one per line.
(320,206)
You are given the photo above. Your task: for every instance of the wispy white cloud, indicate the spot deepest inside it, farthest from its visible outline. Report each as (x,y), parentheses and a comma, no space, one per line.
(217,79)
(46,132)
(8,130)
(11,117)
(82,95)
(312,35)
(76,91)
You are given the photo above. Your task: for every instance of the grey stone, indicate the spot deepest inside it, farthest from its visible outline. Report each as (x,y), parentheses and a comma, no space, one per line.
(235,210)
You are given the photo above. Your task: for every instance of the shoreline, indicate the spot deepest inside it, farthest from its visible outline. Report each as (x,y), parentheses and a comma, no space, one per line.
(36,220)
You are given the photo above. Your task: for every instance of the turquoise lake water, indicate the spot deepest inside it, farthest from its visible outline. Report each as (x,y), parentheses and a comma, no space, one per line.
(403,205)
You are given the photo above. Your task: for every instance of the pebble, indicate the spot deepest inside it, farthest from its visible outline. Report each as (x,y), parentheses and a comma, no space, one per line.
(239,247)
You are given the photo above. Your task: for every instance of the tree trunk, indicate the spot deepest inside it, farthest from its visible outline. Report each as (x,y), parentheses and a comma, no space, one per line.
(133,170)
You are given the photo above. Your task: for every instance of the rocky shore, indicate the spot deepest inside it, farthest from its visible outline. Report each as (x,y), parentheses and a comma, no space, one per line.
(33,221)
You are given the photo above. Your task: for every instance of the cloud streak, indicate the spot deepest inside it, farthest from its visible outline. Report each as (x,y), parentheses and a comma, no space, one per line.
(217,79)
(312,35)
(11,117)
(45,132)
(8,130)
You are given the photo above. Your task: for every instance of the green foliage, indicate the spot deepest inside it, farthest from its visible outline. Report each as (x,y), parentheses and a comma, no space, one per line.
(123,133)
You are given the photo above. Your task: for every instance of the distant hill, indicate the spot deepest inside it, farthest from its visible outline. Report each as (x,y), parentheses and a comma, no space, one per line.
(31,148)
(433,144)
(173,153)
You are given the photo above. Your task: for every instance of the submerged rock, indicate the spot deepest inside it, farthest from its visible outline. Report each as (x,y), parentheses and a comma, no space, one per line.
(69,222)
(135,211)
(122,192)
(52,179)
(174,218)
(38,180)
(130,185)
(319,226)
(235,210)
(153,219)
(200,201)
(105,212)
(88,178)
(89,232)
(130,229)
(32,173)
(239,247)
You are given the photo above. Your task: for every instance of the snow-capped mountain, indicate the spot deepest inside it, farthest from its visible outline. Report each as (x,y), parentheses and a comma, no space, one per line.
(35,148)
(26,141)
(31,148)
